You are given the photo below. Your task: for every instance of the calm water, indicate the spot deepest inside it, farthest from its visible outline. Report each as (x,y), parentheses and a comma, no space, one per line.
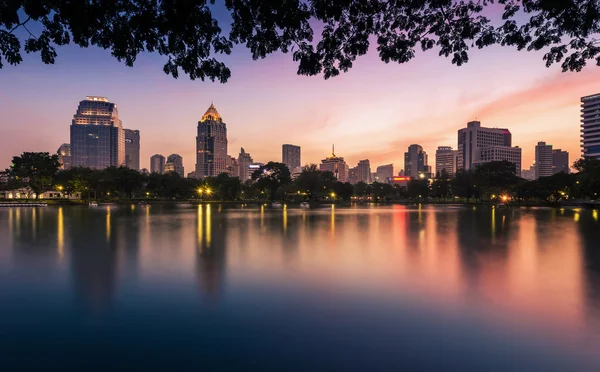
(331,289)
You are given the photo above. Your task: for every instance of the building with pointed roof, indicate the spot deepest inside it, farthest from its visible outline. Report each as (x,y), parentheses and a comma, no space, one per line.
(211,144)
(335,165)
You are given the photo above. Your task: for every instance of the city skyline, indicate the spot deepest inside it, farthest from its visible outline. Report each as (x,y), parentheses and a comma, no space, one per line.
(166,111)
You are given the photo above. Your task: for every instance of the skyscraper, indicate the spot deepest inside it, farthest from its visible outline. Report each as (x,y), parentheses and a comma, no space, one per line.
(244,160)
(132,149)
(384,173)
(64,156)
(97,136)
(446,158)
(560,161)
(335,165)
(364,171)
(543,160)
(415,162)
(211,145)
(353,175)
(290,156)
(590,126)
(478,145)
(175,164)
(157,164)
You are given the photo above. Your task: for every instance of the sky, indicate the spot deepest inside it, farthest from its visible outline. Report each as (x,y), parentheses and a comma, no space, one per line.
(375,111)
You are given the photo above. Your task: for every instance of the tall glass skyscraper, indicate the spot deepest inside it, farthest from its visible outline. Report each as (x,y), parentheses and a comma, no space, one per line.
(211,145)
(97,135)
(290,156)
(132,149)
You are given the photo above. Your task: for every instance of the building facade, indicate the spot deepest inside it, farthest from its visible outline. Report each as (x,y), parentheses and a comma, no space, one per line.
(500,153)
(211,145)
(590,126)
(384,173)
(290,156)
(474,138)
(543,160)
(97,135)
(353,175)
(560,162)
(175,164)
(446,159)
(64,156)
(157,164)
(335,165)
(132,149)
(415,162)
(364,171)
(244,160)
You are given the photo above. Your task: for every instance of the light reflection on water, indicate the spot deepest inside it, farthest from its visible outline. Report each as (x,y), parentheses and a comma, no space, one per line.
(298,289)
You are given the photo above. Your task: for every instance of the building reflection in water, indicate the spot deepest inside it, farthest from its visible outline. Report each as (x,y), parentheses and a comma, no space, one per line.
(210,252)
(60,233)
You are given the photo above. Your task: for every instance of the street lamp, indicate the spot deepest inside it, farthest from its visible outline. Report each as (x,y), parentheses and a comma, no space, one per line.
(422,175)
(332,195)
(59,188)
(208,191)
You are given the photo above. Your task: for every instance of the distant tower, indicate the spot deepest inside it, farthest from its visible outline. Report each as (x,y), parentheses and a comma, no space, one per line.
(590,126)
(64,156)
(290,156)
(543,160)
(211,145)
(415,162)
(244,160)
(335,165)
(175,164)
(97,135)
(132,149)
(157,164)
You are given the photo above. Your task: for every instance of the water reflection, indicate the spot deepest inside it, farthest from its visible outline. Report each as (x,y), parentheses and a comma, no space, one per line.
(519,273)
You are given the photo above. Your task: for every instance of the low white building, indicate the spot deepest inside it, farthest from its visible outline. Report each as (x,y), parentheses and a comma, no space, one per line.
(27,193)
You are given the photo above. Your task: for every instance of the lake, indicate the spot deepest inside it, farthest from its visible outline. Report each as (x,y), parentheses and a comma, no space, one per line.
(362,288)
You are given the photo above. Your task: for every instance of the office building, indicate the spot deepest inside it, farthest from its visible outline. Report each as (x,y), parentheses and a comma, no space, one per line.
(446,159)
(415,162)
(528,174)
(543,160)
(97,135)
(560,161)
(132,149)
(296,172)
(290,156)
(590,126)
(474,138)
(211,145)
(353,175)
(335,165)
(64,156)
(175,164)
(384,173)
(500,153)
(233,167)
(364,171)
(244,160)
(157,164)
(477,145)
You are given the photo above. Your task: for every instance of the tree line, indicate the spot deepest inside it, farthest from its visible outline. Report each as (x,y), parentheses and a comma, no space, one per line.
(40,172)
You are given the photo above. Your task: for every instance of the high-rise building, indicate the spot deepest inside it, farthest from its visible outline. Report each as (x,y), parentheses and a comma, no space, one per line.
(157,164)
(543,160)
(175,164)
(290,156)
(335,165)
(64,156)
(446,158)
(211,145)
(415,162)
(97,136)
(353,175)
(385,173)
(560,161)
(528,174)
(364,171)
(590,126)
(132,149)
(233,167)
(244,160)
(478,145)
(473,138)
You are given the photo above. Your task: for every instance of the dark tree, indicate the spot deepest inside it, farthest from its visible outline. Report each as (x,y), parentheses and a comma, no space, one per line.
(271,177)
(588,177)
(343,190)
(418,188)
(35,169)
(188,34)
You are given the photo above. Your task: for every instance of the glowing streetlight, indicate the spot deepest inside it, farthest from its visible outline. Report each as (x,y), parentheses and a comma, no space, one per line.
(147,193)
(208,191)
(332,194)
(200,191)
(422,175)
(59,188)
(504,198)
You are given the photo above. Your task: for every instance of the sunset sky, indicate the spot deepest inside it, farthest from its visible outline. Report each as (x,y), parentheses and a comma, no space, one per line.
(375,111)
